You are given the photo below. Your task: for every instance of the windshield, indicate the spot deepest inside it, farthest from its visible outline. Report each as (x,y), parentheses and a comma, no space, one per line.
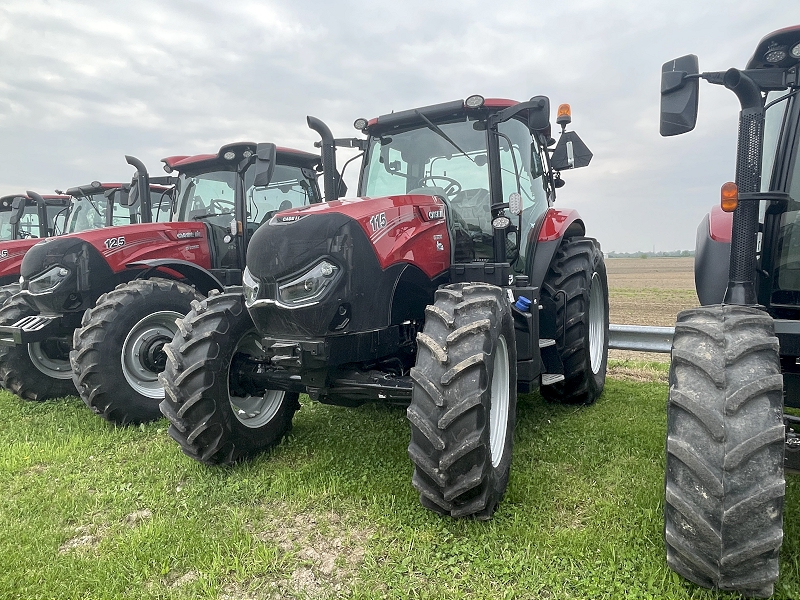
(207,196)
(422,161)
(28,224)
(210,196)
(87,212)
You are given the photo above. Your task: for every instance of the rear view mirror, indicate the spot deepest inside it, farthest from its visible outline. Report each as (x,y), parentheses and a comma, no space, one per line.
(265,164)
(679,92)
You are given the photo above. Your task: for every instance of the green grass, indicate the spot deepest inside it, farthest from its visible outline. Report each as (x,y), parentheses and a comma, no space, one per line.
(90,511)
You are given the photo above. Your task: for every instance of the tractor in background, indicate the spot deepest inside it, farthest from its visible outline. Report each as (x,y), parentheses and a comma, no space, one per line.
(448,285)
(736,359)
(97,307)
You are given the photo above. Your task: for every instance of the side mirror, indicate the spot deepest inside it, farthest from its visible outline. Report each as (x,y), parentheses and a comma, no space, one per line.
(680,88)
(265,164)
(17,209)
(570,152)
(539,115)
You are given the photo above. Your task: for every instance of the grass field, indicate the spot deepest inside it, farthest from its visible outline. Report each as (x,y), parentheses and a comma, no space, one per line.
(92,511)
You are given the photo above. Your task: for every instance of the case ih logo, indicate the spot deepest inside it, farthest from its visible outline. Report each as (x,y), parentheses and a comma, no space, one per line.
(182,235)
(3,254)
(435,214)
(289,218)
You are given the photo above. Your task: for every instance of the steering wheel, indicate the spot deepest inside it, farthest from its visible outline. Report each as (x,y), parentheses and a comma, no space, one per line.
(453,186)
(218,206)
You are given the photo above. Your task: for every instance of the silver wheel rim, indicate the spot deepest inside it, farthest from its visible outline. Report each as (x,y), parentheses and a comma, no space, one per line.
(498,411)
(55,368)
(146,336)
(254,411)
(597,323)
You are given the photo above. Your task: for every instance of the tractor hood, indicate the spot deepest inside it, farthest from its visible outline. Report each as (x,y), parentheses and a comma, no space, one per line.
(335,267)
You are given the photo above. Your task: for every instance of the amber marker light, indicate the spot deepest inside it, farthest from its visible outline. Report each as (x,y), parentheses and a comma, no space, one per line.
(564,114)
(729,197)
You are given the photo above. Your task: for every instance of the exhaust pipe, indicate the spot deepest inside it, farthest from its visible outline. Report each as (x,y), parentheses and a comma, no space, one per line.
(143,183)
(328,158)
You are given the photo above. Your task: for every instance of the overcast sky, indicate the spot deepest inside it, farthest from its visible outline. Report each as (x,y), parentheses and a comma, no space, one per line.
(83,83)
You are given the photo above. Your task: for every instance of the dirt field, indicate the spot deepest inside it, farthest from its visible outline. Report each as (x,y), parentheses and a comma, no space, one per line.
(649,291)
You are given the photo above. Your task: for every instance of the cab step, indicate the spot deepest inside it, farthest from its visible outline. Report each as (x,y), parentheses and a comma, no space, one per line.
(551,378)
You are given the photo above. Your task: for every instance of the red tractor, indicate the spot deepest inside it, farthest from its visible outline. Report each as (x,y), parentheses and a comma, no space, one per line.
(98,306)
(736,360)
(26,220)
(448,285)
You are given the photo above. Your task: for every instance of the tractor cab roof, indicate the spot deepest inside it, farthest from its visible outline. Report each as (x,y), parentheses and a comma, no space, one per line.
(780,49)
(436,112)
(54,199)
(97,187)
(230,154)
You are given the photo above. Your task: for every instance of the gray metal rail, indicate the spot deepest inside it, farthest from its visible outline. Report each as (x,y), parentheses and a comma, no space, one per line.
(640,338)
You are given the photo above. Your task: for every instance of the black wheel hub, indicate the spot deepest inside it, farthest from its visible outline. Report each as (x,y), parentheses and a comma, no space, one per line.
(153,357)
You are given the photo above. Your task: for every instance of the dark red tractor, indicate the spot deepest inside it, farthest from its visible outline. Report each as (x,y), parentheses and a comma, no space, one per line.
(27,219)
(448,285)
(98,306)
(736,360)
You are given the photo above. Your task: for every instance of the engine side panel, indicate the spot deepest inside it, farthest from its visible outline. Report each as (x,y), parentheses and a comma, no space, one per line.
(11,253)
(712,259)
(408,229)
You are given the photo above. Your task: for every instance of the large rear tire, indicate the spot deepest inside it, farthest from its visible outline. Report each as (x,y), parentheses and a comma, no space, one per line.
(577,285)
(37,371)
(215,415)
(724,484)
(464,401)
(118,350)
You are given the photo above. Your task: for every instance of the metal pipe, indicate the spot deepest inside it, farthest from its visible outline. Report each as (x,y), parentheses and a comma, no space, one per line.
(328,157)
(143,183)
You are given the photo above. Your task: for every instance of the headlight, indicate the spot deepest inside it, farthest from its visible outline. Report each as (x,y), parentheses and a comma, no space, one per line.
(48,280)
(251,287)
(310,286)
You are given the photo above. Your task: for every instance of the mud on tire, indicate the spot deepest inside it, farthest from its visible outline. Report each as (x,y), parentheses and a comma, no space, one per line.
(464,400)
(724,483)
(213,415)
(577,285)
(37,371)
(118,350)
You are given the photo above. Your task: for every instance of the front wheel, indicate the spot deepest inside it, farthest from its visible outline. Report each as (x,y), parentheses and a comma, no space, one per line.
(217,414)
(724,484)
(36,371)
(119,348)
(576,286)
(464,401)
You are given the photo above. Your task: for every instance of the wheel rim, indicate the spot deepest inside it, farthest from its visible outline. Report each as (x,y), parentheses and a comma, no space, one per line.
(51,357)
(597,323)
(253,411)
(498,411)
(143,354)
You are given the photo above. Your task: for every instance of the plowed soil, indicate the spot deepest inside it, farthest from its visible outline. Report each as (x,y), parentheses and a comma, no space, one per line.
(649,291)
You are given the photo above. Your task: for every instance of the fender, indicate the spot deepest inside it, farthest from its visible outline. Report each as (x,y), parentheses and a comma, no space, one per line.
(202,279)
(712,256)
(555,226)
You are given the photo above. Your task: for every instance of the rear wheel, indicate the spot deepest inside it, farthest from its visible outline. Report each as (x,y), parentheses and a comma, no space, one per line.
(216,414)
(119,348)
(724,484)
(464,401)
(577,286)
(36,371)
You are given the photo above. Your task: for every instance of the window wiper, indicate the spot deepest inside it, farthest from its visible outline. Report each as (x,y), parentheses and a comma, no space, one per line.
(209,215)
(436,129)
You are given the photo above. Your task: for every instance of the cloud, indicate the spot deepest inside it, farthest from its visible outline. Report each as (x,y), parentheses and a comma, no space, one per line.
(85,82)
